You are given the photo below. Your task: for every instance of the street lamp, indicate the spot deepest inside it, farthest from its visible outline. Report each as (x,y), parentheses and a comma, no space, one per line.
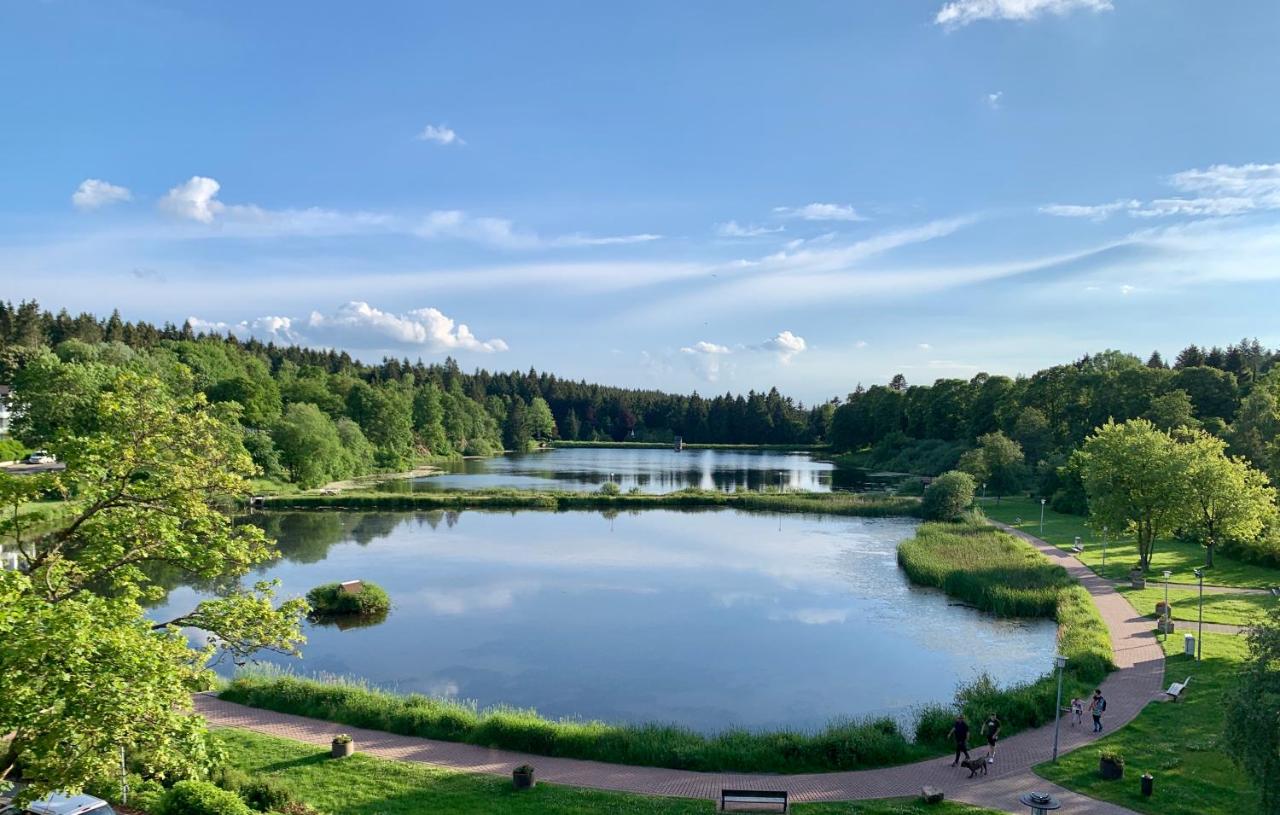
(1042,517)
(1060,662)
(1104,550)
(984,490)
(1200,625)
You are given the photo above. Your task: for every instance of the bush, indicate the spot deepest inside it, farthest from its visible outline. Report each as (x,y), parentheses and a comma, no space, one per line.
(949,495)
(266,794)
(331,600)
(11,450)
(610,488)
(202,798)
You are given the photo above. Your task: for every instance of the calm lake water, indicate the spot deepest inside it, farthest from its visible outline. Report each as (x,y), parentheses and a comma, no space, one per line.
(709,619)
(650,470)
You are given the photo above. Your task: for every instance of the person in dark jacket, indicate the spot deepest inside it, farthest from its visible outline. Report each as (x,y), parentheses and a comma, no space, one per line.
(960,732)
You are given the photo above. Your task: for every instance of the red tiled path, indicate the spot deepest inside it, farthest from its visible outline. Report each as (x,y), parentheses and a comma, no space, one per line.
(1128,690)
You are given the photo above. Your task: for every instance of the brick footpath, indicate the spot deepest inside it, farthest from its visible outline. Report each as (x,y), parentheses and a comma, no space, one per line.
(1138,681)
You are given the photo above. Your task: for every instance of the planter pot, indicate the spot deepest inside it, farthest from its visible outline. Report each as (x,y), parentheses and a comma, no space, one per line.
(1138,582)
(1110,770)
(1162,608)
(342,749)
(1165,626)
(522,780)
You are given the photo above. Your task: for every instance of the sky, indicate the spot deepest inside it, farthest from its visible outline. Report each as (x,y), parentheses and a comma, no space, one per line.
(714,196)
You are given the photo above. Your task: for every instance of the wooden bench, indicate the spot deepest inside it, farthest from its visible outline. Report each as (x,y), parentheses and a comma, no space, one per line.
(1175,690)
(775,797)
(1078,548)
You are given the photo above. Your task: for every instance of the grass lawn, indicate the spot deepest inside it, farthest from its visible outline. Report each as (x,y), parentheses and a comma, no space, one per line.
(1175,742)
(1179,557)
(362,785)
(1234,609)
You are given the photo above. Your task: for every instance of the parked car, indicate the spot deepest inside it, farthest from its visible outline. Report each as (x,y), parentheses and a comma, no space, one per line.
(58,804)
(40,457)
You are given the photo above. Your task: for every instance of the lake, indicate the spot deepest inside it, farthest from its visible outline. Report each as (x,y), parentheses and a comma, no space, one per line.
(649,470)
(708,619)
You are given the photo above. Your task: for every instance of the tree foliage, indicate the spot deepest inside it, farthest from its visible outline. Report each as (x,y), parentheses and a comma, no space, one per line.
(949,495)
(1252,731)
(82,669)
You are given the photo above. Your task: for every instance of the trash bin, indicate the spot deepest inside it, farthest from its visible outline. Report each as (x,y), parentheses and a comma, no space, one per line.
(1147,784)
(1189,644)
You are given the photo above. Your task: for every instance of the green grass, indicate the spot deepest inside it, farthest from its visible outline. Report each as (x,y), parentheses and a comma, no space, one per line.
(842,745)
(802,502)
(1179,557)
(363,785)
(1233,609)
(997,572)
(1176,742)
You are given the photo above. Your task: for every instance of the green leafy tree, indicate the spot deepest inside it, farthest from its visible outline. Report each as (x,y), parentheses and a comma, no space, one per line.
(515,433)
(84,670)
(309,444)
(1031,430)
(428,419)
(1255,434)
(1231,501)
(1252,706)
(385,414)
(948,496)
(1135,476)
(358,455)
(1172,410)
(542,425)
(572,427)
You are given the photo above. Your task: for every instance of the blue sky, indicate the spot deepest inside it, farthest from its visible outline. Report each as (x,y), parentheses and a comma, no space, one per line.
(685,195)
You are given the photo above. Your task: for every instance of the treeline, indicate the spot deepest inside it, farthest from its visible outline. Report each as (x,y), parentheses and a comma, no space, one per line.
(1232,393)
(316,415)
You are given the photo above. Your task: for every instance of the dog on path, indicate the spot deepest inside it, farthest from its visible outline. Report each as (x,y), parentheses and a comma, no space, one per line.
(975,766)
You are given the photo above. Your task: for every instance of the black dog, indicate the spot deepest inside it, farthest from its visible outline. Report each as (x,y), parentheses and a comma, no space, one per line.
(975,766)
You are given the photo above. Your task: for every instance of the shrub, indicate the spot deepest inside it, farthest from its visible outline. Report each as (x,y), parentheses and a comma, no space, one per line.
(948,496)
(11,450)
(229,778)
(202,798)
(266,794)
(330,600)
(610,488)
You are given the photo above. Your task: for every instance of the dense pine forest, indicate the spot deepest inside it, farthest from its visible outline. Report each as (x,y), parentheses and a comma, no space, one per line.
(310,415)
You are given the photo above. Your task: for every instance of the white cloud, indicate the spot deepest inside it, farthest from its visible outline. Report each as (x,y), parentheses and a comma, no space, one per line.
(786,345)
(1126,289)
(499,232)
(959,13)
(94,193)
(1097,212)
(196,199)
(1219,191)
(924,346)
(821,212)
(269,328)
(860,344)
(359,323)
(440,134)
(732,229)
(993,100)
(706,358)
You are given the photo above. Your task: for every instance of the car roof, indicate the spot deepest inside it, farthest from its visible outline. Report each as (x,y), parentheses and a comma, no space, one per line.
(58,804)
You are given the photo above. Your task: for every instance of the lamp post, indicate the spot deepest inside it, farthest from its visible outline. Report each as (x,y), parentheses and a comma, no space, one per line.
(1060,662)
(1200,624)
(984,490)
(1042,501)
(1104,550)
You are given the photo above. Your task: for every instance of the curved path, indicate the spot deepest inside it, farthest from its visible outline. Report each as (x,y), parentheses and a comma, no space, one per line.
(1137,682)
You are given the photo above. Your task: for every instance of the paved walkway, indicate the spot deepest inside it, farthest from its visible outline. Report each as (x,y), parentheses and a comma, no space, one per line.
(1128,690)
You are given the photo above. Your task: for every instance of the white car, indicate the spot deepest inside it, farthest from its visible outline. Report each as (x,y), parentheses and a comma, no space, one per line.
(58,804)
(40,457)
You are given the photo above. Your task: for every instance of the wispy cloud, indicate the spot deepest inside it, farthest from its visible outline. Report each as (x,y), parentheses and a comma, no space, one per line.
(502,233)
(1218,191)
(195,199)
(710,359)
(786,345)
(993,99)
(820,212)
(963,12)
(440,134)
(94,193)
(732,229)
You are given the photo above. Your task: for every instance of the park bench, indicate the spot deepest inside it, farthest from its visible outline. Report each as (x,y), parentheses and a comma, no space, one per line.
(1078,548)
(777,797)
(1175,690)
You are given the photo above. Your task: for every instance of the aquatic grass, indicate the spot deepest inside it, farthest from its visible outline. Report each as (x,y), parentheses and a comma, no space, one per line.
(844,744)
(791,502)
(996,572)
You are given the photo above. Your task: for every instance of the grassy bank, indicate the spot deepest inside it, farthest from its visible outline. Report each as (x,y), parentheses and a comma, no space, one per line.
(669,445)
(362,785)
(842,745)
(997,572)
(1179,557)
(1176,743)
(803,502)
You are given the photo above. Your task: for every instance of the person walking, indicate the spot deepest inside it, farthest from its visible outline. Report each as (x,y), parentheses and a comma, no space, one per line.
(1096,706)
(960,732)
(992,731)
(1077,711)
